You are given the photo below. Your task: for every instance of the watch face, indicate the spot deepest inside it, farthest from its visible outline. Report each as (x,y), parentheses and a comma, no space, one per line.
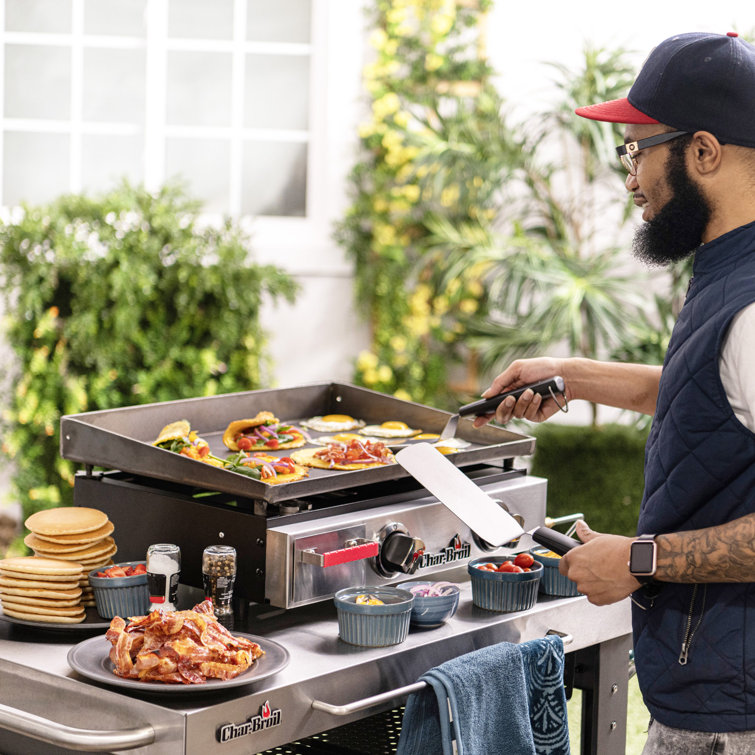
(642,558)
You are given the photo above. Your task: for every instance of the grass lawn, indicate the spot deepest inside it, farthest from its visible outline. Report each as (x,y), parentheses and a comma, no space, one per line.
(637,720)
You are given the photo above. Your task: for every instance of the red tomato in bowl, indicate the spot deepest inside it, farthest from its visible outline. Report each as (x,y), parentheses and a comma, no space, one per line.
(524,560)
(510,566)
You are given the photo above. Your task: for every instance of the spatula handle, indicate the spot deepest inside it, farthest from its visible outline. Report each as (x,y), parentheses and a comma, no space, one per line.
(555,541)
(489,405)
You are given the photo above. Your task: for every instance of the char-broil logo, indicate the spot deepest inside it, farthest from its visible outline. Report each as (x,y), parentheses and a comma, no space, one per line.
(265,719)
(456,550)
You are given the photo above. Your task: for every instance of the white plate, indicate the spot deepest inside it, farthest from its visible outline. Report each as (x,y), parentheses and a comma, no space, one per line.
(91,658)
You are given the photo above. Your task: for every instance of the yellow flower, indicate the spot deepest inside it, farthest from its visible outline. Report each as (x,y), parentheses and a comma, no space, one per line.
(440,305)
(378,38)
(366,360)
(401,119)
(468,306)
(449,196)
(475,288)
(385,373)
(384,234)
(386,105)
(366,130)
(370,377)
(402,395)
(433,61)
(411,192)
(398,343)
(441,24)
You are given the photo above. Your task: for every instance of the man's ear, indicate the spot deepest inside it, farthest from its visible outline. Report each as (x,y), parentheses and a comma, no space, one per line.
(706,152)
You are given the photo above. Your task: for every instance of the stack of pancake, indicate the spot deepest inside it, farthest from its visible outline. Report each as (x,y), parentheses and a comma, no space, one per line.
(74,534)
(41,589)
(53,585)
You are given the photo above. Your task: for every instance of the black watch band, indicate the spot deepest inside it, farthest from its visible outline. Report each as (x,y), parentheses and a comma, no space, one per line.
(642,558)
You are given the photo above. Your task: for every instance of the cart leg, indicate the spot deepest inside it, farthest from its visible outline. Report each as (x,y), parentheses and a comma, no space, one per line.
(602,673)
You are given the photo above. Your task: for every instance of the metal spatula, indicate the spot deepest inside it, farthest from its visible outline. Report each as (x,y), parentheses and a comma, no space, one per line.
(549,387)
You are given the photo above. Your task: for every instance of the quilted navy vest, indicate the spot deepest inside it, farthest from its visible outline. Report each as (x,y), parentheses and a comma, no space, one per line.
(695,644)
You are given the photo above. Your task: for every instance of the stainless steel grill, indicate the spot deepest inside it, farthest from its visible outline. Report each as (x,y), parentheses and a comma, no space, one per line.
(297,544)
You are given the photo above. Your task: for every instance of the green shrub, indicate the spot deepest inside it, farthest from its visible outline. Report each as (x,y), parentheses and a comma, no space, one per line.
(118,300)
(595,470)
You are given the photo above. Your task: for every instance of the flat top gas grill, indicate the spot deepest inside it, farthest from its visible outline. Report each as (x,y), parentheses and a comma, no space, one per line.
(327,682)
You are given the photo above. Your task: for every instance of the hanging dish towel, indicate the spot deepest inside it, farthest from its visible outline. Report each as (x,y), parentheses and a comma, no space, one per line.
(504,697)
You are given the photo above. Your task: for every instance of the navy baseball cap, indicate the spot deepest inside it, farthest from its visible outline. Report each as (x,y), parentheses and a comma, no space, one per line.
(692,82)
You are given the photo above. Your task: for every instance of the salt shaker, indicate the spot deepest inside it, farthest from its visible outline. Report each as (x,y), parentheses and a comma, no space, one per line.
(163,571)
(218,576)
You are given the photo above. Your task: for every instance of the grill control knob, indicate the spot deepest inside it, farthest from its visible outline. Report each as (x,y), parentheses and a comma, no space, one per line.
(399,551)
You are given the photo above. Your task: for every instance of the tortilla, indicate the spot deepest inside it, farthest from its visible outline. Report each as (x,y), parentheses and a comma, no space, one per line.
(307,458)
(174,431)
(66,520)
(241,426)
(263,458)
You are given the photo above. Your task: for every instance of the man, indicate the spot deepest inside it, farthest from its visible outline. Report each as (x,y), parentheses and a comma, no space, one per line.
(690,154)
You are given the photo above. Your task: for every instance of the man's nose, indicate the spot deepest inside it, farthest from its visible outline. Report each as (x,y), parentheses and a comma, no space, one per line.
(631,182)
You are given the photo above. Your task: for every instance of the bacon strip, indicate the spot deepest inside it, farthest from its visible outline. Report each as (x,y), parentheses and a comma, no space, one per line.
(178,647)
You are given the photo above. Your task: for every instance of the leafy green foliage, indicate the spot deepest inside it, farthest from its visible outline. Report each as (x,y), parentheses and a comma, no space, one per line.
(120,300)
(595,471)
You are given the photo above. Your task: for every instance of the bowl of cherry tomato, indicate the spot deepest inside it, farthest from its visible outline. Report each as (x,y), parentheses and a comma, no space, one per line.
(121,590)
(553,582)
(505,583)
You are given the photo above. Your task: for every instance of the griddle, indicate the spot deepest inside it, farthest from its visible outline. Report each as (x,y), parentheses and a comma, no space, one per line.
(121,439)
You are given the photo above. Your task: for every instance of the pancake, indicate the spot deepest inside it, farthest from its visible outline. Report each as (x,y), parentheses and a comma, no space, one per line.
(80,538)
(52,569)
(31,584)
(52,603)
(76,610)
(96,551)
(47,619)
(66,520)
(36,592)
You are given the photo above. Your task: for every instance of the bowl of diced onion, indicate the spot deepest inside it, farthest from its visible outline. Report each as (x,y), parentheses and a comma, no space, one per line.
(434,602)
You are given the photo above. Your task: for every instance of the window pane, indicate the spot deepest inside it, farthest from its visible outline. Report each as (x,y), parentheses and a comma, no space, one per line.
(277,92)
(123,18)
(200,19)
(35,168)
(114,85)
(37,82)
(49,16)
(108,159)
(204,166)
(279,21)
(275,179)
(199,89)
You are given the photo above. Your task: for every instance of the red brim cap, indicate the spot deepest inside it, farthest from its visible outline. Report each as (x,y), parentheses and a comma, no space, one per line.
(615,111)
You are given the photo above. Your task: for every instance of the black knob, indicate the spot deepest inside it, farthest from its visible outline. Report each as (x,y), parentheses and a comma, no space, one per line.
(396,553)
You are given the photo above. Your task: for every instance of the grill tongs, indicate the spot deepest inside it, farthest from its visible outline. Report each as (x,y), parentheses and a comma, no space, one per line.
(551,387)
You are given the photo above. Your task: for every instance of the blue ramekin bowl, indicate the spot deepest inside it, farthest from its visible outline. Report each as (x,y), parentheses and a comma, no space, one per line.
(553,582)
(503,591)
(120,596)
(434,610)
(373,626)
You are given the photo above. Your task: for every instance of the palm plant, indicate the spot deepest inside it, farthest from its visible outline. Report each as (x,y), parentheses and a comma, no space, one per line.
(558,275)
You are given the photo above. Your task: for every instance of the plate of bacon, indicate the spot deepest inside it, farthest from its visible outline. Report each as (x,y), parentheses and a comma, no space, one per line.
(176,652)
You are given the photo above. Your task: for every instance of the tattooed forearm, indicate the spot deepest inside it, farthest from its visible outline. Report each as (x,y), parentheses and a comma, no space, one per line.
(716,554)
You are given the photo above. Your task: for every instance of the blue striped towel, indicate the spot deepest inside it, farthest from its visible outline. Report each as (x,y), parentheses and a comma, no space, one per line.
(503,697)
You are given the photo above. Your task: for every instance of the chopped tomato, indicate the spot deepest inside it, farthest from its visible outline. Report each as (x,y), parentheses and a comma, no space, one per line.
(272,443)
(487,567)
(244,443)
(524,559)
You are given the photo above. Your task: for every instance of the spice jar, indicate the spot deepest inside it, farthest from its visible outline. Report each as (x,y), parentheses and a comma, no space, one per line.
(163,571)
(218,576)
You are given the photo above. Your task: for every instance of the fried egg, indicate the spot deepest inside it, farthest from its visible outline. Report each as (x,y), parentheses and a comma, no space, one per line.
(333,423)
(451,445)
(391,429)
(427,436)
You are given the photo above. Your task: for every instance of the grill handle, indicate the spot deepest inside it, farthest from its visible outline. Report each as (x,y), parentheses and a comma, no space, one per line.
(383,697)
(353,550)
(82,740)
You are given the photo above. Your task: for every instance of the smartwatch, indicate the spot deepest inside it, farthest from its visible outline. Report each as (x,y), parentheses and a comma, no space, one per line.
(642,558)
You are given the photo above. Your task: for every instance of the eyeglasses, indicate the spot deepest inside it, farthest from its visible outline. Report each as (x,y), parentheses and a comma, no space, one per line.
(628,152)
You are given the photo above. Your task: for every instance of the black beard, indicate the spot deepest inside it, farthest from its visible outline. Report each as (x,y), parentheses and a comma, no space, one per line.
(677,230)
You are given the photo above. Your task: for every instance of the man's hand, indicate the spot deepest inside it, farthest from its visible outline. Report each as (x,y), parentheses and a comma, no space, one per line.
(600,567)
(531,406)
